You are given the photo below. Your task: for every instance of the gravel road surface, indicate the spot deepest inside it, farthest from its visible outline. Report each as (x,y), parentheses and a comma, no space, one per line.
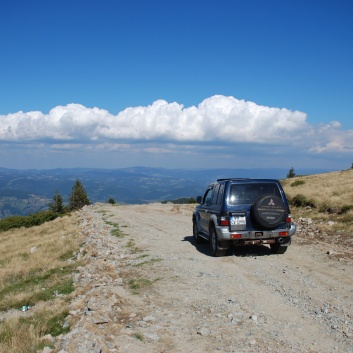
(152,289)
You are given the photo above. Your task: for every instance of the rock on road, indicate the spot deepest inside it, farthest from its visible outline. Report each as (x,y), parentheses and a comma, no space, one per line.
(153,290)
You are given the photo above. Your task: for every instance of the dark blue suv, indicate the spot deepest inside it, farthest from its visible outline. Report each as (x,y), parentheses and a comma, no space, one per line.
(240,212)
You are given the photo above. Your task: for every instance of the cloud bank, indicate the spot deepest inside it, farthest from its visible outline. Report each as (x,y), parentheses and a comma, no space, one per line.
(224,127)
(218,118)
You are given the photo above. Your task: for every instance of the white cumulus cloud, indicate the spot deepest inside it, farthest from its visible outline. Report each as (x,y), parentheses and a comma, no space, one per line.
(216,120)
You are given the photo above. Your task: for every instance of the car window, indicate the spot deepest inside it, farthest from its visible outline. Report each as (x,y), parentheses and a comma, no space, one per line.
(220,194)
(215,194)
(248,193)
(208,197)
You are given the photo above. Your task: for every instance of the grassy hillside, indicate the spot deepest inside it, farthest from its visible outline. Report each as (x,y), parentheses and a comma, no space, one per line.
(329,190)
(36,268)
(328,200)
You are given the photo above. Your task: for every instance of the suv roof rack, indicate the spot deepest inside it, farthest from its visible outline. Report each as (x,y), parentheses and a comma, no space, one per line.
(222,179)
(252,179)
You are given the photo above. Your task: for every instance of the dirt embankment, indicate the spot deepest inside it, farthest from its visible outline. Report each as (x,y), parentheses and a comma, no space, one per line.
(151,289)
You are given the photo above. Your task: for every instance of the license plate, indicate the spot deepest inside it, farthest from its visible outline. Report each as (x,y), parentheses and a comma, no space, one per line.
(237,220)
(259,234)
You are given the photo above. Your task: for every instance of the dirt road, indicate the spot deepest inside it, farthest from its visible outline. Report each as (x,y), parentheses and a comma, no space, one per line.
(177,298)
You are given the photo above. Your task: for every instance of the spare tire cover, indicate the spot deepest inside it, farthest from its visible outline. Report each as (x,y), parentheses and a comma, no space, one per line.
(268,211)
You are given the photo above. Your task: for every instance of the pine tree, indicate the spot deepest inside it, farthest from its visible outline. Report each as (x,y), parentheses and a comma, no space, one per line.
(78,197)
(57,204)
(291,173)
(111,201)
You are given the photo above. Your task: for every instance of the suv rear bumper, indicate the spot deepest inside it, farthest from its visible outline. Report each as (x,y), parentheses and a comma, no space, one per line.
(255,236)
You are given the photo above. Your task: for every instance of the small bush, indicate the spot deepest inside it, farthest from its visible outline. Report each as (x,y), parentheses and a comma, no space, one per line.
(325,207)
(301,201)
(111,201)
(346,209)
(297,183)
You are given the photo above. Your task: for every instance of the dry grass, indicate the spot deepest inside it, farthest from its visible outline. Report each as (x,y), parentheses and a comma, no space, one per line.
(332,193)
(36,269)
(333,190)
(20,335)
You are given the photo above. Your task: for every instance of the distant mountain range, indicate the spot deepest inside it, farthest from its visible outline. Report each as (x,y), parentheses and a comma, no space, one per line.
(23,192)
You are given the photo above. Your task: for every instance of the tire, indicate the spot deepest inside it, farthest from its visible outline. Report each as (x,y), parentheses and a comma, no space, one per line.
(268,211)
(195,232)
(214,244)
(278,249)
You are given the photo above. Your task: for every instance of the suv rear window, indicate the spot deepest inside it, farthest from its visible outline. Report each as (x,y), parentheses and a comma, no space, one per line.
(248,193)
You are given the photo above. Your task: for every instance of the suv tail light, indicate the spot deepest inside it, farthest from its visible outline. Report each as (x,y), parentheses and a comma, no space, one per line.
(288,221)
(224,221)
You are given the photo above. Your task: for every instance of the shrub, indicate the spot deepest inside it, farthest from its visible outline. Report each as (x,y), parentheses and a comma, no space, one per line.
(325,207)
(346,209)
(297,183)
(111,201)
(301,201)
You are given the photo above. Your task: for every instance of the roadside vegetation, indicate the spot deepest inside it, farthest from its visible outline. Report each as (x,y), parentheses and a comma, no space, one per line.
(78,198)
(36,283)
(181,200)
(323,197)
(325,191)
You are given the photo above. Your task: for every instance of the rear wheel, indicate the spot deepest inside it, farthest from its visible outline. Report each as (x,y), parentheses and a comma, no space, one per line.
(195,231)
(214,244)
(278,249)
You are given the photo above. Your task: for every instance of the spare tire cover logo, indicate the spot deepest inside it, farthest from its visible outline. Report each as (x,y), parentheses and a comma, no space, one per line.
(271,203)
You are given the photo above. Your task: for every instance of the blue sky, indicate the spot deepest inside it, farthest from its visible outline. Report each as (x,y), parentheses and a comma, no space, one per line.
(176,84)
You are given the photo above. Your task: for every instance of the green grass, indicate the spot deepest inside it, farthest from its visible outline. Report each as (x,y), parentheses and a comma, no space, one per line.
(115,231)
(297,183)
(66,256)
(54,325)
(138,283)
(147,262)
(138,336)
(43,323)
(133,247)
(37,287)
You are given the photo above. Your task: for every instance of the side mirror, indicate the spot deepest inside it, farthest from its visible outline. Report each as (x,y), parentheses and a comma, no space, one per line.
(199,199)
